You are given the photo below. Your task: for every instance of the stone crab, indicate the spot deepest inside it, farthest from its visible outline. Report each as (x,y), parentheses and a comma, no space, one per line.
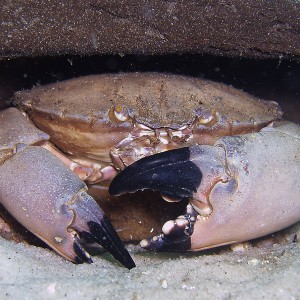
(98,125)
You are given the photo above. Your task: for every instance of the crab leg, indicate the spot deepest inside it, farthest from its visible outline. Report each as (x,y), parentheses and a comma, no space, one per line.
(50,201)
(86,170)
(242,188)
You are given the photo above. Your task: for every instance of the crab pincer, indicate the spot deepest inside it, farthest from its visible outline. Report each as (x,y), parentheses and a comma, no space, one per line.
(60,212)
(48,199)
(176,177)
(237,188)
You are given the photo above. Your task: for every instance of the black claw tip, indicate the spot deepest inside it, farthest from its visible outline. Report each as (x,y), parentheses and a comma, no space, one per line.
(176,236)
(167,244)
(81,255)
(105,235)
(172,173)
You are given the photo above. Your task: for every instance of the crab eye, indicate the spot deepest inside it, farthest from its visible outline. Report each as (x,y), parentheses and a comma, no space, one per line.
(119,113)
(207,117)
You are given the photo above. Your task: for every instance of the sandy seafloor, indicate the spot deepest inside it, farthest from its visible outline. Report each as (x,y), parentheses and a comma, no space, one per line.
(266,272)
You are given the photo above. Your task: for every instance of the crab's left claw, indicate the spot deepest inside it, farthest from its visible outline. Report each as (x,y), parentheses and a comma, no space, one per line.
(51,202)
(172,173)
(175,236)
(241,188)
(175,176)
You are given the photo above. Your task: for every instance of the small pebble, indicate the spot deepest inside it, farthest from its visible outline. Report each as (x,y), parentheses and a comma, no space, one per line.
(253,262)
(164,284)
(51,288)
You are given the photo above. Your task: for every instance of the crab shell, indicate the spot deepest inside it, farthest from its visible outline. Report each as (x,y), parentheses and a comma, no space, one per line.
(132,115)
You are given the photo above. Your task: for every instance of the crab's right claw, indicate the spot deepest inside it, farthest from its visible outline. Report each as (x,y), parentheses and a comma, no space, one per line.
(90,223)
(51,201)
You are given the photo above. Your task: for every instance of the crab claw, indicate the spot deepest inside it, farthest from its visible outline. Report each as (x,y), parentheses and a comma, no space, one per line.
(51,202)
(90,223)
(176,177)
(175,236)
(172,173)
(241,188)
